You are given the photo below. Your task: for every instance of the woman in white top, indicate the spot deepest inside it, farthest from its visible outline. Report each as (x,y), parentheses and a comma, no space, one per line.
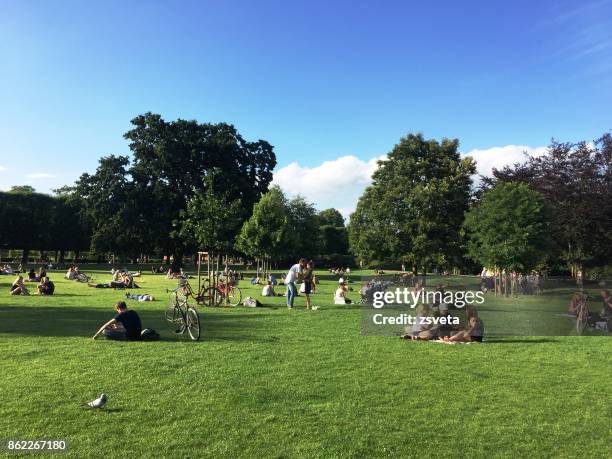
(340,295)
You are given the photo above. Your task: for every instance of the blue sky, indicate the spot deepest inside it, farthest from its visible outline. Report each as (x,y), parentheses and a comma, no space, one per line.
(318,80)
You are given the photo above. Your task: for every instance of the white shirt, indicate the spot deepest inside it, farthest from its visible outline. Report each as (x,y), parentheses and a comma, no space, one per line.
(339,296)
(292,275)
(267,290)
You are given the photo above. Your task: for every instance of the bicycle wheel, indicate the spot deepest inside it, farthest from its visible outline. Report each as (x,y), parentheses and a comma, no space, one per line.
(234,296)
(212,296)
(174,317)
(193,324)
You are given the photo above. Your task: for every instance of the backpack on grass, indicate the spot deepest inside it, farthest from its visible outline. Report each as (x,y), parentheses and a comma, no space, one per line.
(250,302)
(148,334)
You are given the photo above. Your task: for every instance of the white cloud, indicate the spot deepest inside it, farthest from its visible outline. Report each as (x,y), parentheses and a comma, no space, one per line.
(40,175)
(337,183)
(340,183)
(498,157)
(2,168)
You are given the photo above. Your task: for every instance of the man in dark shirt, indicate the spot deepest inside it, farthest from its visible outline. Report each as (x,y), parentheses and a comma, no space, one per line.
(46,287)
(125,325)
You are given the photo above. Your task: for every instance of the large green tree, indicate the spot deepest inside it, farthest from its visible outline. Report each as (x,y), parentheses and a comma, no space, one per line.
(212,220)
(334,236)
(268,232)
(138,205)
(576,183)
(305,234)
(508,228)
(413,211)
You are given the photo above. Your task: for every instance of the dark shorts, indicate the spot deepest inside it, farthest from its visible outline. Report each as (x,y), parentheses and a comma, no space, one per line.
(476,338)
(307,287)
(115,334)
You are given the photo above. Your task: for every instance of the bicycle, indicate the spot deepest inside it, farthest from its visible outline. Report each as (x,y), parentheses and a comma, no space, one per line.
(212,296)
(229,290)
(181,316)
(82,277)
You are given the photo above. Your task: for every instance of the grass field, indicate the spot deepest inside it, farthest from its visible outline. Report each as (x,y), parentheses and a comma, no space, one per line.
(269,382)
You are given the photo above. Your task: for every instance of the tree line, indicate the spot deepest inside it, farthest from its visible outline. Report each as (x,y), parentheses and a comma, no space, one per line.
(190,186)
(187,186)
(551,212)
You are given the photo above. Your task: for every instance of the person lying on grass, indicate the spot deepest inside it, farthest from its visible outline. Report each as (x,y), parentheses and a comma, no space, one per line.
(143,297)
(125,281)
(126,325)
(18,287)
(46,287)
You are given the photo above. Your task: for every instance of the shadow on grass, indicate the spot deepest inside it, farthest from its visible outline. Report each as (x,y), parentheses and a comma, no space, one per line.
(515,340)
(84,322)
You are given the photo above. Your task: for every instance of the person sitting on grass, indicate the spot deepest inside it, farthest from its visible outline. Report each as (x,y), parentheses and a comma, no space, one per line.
(71,274)
(340,295)
(474,330)
(420,330)
(606,310)
(268,290)
(126,325)
(46,287)
(143,297)
(32,276)
(42,272)
(18,287)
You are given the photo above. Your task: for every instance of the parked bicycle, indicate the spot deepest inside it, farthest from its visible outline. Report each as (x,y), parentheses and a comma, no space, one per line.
(181,316)
(212,296)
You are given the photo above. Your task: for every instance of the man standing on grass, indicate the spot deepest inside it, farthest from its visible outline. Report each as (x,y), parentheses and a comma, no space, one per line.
(290,280)
(125,325)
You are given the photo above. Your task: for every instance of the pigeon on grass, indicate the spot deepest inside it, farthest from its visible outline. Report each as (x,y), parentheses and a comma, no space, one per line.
(97,403)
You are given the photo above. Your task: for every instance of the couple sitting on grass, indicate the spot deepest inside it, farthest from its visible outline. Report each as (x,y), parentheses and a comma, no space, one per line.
(72,273)
(36,277)
(45,287)
(426,330)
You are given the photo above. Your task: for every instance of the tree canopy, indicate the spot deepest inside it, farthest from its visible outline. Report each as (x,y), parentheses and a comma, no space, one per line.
(140,203)
(508,228)
(575,180)
(413,211)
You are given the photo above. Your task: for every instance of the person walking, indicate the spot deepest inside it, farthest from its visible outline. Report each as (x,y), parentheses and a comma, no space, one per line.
(292,276)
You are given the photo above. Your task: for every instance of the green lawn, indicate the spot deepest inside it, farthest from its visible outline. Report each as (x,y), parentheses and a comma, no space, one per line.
(276,383)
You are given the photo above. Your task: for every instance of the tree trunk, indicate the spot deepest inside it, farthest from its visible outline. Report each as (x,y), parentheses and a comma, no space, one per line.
(177,261)
(24,256)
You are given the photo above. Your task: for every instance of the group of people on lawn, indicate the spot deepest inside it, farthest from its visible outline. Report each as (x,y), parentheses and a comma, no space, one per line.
(605,315)
(303,271)
(445,330)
